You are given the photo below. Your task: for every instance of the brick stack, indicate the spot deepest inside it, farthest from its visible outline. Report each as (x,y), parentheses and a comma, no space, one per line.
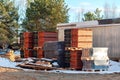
(75,60)
(26,41)
(46,36)
(81,38)
(32,43)
(77,39)
(41,38)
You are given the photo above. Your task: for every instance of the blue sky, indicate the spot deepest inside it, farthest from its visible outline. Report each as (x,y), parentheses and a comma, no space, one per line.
(89,5)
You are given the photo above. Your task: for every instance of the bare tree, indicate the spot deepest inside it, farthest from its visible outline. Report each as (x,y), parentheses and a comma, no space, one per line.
(114,9)
(106,11)
(79,15)
(110,11)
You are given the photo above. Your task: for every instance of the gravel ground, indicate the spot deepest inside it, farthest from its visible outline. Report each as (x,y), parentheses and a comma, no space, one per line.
(15,74)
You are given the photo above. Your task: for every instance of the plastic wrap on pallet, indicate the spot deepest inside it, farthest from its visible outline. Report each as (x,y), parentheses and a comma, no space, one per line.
(100,56)
(53,49)
(61,61)
(54,45)
(100,67)
(87,54)
(88,64)
(53,54)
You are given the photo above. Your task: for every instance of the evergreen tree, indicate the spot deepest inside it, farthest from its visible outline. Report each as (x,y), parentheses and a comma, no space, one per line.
(89,16)
(96,15)
(8,21)
(44,15)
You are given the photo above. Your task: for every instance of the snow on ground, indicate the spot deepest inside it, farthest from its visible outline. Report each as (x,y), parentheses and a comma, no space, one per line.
(114,67)
(4,62)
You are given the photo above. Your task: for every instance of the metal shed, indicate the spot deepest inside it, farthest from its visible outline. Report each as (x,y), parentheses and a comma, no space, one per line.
(106,33)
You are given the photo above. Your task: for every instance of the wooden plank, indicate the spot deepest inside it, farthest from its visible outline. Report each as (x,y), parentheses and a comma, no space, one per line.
(82,32)
(82,45)
(82,39)
(73,48)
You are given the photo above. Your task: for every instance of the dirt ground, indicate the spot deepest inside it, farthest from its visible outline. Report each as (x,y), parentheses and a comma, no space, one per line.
(14,74)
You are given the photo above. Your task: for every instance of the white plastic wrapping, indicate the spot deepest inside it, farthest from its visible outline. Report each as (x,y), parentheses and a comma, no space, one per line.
(100,56)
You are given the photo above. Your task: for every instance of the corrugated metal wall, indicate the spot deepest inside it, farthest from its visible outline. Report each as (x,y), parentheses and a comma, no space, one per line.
(108,37)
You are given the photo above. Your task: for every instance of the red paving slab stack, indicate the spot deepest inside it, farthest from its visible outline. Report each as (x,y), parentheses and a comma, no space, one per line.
(81,38)
(28,40)
(28,53)
(46,36)
(77,38)
(40,53)
(75,60)
(34,41)
(40,38)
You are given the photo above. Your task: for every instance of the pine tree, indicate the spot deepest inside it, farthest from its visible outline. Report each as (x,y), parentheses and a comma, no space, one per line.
(96,15)
(44,15)
(8,21)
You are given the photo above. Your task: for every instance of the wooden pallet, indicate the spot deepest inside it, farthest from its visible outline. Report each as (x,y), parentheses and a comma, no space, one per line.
(73,48)
(35,67)
(94,70)
(36,48)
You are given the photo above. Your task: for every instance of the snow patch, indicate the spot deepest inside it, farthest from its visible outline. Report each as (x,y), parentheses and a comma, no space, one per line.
(4,62)
(114,67)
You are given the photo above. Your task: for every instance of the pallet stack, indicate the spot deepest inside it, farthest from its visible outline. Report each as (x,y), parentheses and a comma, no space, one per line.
(67,37)
(42,38)
(55,50)
(95,58)
(21,45)
(26,42)
(81,38)
(75,40)
(38,52)
(87,59)
(32,43)
(100,56)
(75,60)
(67,40)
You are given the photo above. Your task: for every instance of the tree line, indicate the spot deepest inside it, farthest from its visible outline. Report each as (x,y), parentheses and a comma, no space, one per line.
(41,15)
(106,13)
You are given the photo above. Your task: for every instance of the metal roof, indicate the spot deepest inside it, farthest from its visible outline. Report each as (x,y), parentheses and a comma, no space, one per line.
(90,24)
